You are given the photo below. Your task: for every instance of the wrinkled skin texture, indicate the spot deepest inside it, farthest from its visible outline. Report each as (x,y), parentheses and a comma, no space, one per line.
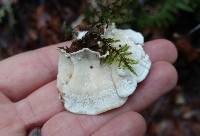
(29,97)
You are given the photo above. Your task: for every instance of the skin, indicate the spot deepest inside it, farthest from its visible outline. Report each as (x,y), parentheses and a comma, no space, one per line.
(29,97)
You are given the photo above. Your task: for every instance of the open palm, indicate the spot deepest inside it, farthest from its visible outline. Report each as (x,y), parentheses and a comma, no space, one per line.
(29,97)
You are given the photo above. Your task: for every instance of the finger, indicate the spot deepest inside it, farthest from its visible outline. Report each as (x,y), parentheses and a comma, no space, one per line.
(162,78)
(39,106)
(161,50)
(127,124)
(63,124)
(21,74)
(4,99)
(156,84)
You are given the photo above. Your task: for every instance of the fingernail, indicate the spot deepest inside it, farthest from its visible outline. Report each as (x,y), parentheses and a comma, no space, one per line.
(35,132)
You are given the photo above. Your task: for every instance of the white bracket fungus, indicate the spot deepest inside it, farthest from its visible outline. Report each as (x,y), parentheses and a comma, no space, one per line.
(89,87)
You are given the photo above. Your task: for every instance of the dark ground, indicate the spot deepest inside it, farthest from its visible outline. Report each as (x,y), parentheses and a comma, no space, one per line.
(35,23)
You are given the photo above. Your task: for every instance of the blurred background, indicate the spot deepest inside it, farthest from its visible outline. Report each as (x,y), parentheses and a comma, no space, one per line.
(31,24)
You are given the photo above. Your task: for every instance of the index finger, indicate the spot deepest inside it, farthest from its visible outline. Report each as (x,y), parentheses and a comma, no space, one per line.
(24,73)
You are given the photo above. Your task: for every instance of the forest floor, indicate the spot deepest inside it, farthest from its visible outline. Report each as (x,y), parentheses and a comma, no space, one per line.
(35,24)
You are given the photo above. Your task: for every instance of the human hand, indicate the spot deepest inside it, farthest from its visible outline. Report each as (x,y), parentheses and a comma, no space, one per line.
(29,97)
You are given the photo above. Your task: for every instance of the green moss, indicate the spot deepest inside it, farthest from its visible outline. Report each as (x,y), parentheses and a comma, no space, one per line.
(121,56)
